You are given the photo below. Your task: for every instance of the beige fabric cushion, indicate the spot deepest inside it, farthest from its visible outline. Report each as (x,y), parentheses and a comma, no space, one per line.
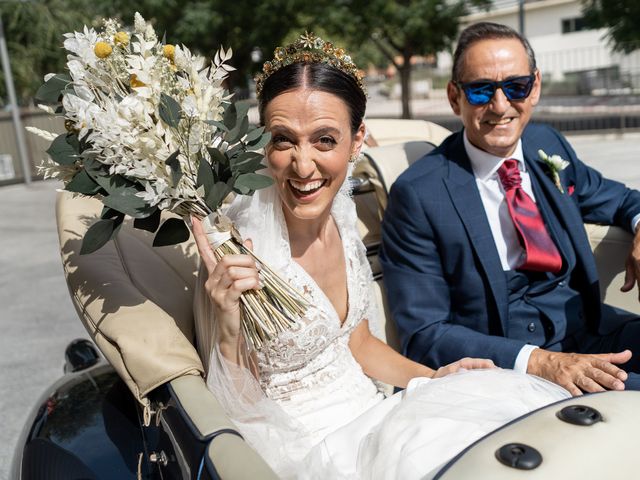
(135,300)
(387,131)
(610,247)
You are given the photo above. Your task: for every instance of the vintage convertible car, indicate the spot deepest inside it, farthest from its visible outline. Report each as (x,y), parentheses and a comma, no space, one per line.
(141,409)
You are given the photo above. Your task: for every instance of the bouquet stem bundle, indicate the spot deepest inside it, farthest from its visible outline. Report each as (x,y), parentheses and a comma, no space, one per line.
(268,311)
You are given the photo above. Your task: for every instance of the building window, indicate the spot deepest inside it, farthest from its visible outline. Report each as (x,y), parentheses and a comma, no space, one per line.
(575,24)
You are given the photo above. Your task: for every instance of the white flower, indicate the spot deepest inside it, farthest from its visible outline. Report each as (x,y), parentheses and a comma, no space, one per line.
(556,164)
(190,106)
(114,106)
(42,133)
(554,161)
(139,23)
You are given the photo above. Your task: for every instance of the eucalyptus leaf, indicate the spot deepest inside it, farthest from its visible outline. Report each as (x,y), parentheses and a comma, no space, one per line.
(150,223)
(250,166)
(242,109)
(260,142)
(241,189)
(62,151)
(254,134)
(240,130)
(49,93)
(109,213)
(230,117)
(246,162)
(252,181)
(174,165)
(205,176)
(172,231)
(217,157)
(98,234)
(217,195)
(112,184)
(126,201)
(83,183)
(170,110)
(235,150)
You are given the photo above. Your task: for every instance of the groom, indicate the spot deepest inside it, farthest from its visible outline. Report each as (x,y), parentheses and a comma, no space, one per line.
(484,250)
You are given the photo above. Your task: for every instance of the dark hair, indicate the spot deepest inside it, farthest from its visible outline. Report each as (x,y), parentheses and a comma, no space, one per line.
(486,31)
(317,76)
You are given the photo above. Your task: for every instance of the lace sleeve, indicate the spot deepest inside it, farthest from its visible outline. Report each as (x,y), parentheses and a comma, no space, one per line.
(260,420)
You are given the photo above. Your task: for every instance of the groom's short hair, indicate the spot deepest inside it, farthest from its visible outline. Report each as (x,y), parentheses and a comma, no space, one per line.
(486,31)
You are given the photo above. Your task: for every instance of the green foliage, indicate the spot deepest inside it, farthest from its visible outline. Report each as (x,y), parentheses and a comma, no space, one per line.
(33,31)
(399,30)
(62,149)
(150,223)
(620,17)
(172,231)
(100,233)
(170,111)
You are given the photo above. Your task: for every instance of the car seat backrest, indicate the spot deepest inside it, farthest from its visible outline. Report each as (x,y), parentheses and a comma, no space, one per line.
(134,299)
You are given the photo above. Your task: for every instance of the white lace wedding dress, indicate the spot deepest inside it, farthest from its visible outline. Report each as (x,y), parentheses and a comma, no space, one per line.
(312,412)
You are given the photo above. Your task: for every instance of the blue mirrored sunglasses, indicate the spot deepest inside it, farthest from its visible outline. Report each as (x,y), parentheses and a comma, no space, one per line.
(481,92)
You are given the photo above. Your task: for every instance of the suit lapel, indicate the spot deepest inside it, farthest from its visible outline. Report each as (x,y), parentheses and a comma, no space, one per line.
(560,203)
(466,199)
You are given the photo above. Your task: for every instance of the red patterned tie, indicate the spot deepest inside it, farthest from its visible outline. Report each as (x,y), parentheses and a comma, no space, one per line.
(541,253)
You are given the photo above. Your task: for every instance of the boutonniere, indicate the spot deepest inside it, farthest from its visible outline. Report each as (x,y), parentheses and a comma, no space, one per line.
(556,164)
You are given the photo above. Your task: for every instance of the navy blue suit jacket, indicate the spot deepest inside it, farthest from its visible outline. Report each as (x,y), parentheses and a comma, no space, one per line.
(446,288)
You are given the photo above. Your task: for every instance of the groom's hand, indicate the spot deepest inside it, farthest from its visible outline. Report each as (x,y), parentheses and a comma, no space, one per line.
(632,266)
(578,372)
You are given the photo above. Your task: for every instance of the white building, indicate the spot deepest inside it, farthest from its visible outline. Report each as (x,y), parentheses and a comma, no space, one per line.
(565,50)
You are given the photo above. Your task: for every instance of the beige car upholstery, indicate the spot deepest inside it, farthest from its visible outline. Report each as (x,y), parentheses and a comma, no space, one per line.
(134,300)
(387,131)
(606,449)
(610,247)
(232,458)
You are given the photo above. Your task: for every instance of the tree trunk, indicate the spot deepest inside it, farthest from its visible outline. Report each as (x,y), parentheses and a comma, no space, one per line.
(405,83)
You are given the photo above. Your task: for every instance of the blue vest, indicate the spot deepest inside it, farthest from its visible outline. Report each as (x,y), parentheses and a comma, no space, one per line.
(543,308)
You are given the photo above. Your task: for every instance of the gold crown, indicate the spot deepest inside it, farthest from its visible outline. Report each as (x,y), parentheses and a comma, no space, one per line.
(309,49)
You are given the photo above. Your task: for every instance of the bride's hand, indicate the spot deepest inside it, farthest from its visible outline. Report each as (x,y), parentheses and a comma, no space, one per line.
(466,363)
(227,280)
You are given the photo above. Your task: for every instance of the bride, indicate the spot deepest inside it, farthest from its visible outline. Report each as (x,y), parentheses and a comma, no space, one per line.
(309,401)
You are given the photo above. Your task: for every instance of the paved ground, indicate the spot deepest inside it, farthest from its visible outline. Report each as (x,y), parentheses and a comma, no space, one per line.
(37,319)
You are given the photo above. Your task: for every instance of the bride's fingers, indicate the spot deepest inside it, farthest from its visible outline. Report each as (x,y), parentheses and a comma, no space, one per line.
(202,242)
(235,273)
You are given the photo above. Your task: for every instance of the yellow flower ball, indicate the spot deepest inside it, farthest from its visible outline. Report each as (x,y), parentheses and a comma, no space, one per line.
(121,38)
(169,51)
(102,49)
(134,82)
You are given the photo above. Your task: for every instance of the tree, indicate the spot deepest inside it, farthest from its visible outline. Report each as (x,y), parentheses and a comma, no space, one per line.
(33,31)
(400,29)
(619,18)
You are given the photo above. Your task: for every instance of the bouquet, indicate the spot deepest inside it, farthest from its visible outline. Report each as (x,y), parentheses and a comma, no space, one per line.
(150,128)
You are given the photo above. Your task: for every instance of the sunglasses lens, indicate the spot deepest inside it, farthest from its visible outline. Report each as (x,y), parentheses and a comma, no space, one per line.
(479,93)
(518,88)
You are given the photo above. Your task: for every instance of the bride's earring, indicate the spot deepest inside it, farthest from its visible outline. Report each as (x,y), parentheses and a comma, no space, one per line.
(354,157)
